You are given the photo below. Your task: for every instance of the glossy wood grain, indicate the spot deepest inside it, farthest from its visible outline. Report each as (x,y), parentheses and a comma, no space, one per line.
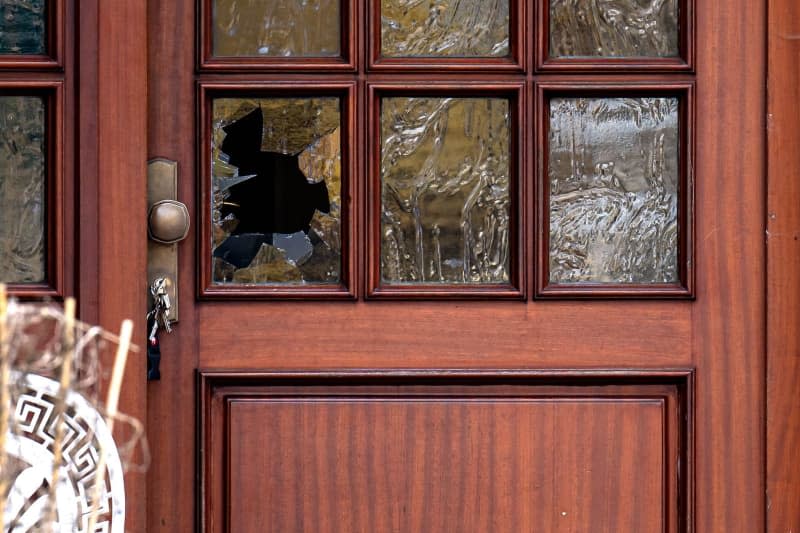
(783,268)
(112,136)
(728,317)
(509,451)
(443,334)
(171,109)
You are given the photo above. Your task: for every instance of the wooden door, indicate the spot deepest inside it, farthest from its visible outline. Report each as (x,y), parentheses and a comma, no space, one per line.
(577,346)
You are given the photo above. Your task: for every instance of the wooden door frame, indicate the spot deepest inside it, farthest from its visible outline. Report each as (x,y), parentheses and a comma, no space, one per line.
(783,266)
(111,169)
(112,149)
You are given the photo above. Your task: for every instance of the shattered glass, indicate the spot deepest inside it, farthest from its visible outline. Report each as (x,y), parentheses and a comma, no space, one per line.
(614,28)
(449,28)
(614,184)
(277,28)
(445,182)
(23,27)
(22,189)
(276,179)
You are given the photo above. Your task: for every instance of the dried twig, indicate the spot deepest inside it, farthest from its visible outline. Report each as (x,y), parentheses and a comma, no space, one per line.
(112,404)
(68,344)
(5,396)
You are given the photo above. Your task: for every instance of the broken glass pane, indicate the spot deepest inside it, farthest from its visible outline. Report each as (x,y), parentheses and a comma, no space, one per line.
(614,28)
(22,30)
(22,189)
(276,178)
(278,28)
(445,202)
(614,184)
(451,28)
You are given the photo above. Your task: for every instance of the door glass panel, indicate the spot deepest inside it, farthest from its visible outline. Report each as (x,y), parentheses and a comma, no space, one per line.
(22,30)
(276,178)
(22,189)
(451,28)
(614,174)
(259,28)
(445,202)
(614,28)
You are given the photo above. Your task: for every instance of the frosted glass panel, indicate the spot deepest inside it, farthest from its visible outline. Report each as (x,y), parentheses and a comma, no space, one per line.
(276,178)
(22,189)
(451,28)
(22,26)
(614,28)
(445,203)
(276,28)
(614,174)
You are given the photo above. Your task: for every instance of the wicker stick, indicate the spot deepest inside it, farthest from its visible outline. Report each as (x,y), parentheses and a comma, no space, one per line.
(112,403)
(5,397)
(68,342)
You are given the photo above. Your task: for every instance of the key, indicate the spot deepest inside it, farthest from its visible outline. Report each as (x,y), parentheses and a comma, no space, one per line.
(161,307)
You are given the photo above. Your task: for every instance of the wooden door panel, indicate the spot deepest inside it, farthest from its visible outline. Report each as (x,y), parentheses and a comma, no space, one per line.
(454,452)
(478,334)
(720,336)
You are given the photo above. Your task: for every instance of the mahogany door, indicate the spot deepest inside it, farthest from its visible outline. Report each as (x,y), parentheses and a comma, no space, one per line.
(462,266)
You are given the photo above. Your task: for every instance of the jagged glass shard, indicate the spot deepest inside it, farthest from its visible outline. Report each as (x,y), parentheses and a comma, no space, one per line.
(277,173)
(445,202)
(444,28)
(22,189)
(276,28)
(614,28)
(22,30)
(614,185)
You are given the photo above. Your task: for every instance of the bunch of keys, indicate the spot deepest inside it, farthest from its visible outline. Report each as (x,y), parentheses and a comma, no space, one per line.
(158,317)
(161,306)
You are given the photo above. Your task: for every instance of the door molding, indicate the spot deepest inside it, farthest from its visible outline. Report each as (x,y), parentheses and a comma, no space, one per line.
(783,267)
(111,130)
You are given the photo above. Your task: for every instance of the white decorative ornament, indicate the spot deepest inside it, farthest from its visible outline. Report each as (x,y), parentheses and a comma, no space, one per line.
(29,444)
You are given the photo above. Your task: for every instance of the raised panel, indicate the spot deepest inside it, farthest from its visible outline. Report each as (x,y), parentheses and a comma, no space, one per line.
(461,452)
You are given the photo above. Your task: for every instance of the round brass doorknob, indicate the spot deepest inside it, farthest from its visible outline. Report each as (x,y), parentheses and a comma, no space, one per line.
(168,221)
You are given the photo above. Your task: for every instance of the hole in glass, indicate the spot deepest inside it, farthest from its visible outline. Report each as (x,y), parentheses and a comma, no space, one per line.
(276,207)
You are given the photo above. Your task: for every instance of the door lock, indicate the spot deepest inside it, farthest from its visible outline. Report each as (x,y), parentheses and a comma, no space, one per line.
(168,224)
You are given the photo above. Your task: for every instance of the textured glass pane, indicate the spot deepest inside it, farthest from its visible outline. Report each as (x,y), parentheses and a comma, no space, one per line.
(22,26)
(264,28)
(22,189)
(451,28)
(277,190)
(445,204)
(613,171)
(614,28)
